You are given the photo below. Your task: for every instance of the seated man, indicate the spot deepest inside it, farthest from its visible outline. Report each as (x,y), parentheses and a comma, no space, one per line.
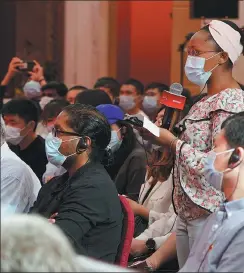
(219,248)
(84,200)
(73,92)
(109,85)
(21,118)
(19,185)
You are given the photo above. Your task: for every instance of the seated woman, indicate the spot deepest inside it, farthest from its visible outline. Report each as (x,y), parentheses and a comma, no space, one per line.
(83,202)
(126,160)
(155,217)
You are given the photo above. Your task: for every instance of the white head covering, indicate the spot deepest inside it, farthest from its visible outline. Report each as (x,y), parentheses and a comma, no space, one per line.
(32,89)
(227,38)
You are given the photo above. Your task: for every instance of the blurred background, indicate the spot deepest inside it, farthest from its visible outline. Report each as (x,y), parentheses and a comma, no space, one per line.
(80,41)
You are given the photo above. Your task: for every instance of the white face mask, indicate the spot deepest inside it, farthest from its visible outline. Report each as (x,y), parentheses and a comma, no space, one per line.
(127,102)
(115,142)
(214,177)
(32,89)
(13,135)
(44,101)
(194,69)
(150,104)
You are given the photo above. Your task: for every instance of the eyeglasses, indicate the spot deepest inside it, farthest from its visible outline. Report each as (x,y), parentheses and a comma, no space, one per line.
(56,132)
(193,52)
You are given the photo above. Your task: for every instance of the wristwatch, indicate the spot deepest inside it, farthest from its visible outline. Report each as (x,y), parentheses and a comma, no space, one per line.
(151,245)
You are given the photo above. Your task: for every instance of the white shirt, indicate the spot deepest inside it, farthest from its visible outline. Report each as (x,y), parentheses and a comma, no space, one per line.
(19,184)
(162,217)
(52,171)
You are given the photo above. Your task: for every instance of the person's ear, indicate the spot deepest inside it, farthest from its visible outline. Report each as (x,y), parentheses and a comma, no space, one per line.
(224,57)
(83,144)
(31,125)
(236,158)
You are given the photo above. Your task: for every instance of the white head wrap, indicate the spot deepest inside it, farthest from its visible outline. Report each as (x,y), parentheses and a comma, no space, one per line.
(227,38)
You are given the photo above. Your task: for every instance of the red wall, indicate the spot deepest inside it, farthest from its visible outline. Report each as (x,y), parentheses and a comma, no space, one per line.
(150,26)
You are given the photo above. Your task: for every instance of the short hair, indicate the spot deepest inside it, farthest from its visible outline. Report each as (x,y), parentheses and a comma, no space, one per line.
(30,243)
(109,82)
(3,131)
(137,84)
(87,121)
(234,130)
(78,87)
(60,87)
(53,109)
(24,108)
(93,97)
(160,86)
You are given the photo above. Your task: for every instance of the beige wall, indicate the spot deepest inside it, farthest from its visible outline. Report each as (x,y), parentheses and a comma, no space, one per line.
(86,41)
(182,25)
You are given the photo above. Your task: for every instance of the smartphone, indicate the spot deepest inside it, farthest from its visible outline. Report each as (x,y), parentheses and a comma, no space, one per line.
(26,66)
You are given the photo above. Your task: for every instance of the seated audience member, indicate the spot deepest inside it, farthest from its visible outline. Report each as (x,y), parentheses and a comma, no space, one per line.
(93,97)
(84,198)
(127,159)
(110,85)
(19,184)
(30,244)
(130,98)
(154,207)
(21,118)
(219,246)
(53,90)
(49,114)
(151,102)
(73,92)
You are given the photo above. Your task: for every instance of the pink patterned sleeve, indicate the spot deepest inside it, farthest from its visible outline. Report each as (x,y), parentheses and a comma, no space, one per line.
(191,159)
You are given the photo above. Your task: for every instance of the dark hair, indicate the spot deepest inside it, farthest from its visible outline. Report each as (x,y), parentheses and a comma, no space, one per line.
(60,87)
(24,108)
(87,121)
(235,27)
(128,144)
(53,109)
(137,84)
(93,97)
(234,130)
(109,82)
(160,86)
(78,87)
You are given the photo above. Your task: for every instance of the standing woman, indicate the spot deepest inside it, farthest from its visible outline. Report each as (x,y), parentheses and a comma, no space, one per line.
(212,52)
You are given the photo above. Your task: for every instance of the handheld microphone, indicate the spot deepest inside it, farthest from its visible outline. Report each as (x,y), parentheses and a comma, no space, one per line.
(173,101)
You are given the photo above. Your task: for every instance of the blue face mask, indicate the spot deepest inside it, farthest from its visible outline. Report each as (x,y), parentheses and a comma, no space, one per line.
(214,177)
(150,104)
(115,142)
(194,69)
(52,145)
(127,102)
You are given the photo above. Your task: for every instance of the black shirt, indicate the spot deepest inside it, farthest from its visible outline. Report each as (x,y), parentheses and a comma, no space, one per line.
(34,156)
(89,210)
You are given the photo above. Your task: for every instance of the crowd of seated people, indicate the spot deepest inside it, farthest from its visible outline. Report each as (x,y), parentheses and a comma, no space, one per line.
(80,178)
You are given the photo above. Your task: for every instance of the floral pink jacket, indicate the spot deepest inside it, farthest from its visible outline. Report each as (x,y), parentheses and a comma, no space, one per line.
(193,196)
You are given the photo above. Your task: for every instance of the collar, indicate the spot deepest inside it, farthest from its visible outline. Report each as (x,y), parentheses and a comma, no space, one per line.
(4,149)
(232,206)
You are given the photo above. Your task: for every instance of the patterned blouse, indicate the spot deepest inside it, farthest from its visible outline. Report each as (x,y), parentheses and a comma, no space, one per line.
(193,196)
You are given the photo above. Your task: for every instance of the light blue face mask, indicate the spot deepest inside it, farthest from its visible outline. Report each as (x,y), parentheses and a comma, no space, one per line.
(214,177)
(150,104)
(115,142)
(52,145)
(127,102)
(194,69)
